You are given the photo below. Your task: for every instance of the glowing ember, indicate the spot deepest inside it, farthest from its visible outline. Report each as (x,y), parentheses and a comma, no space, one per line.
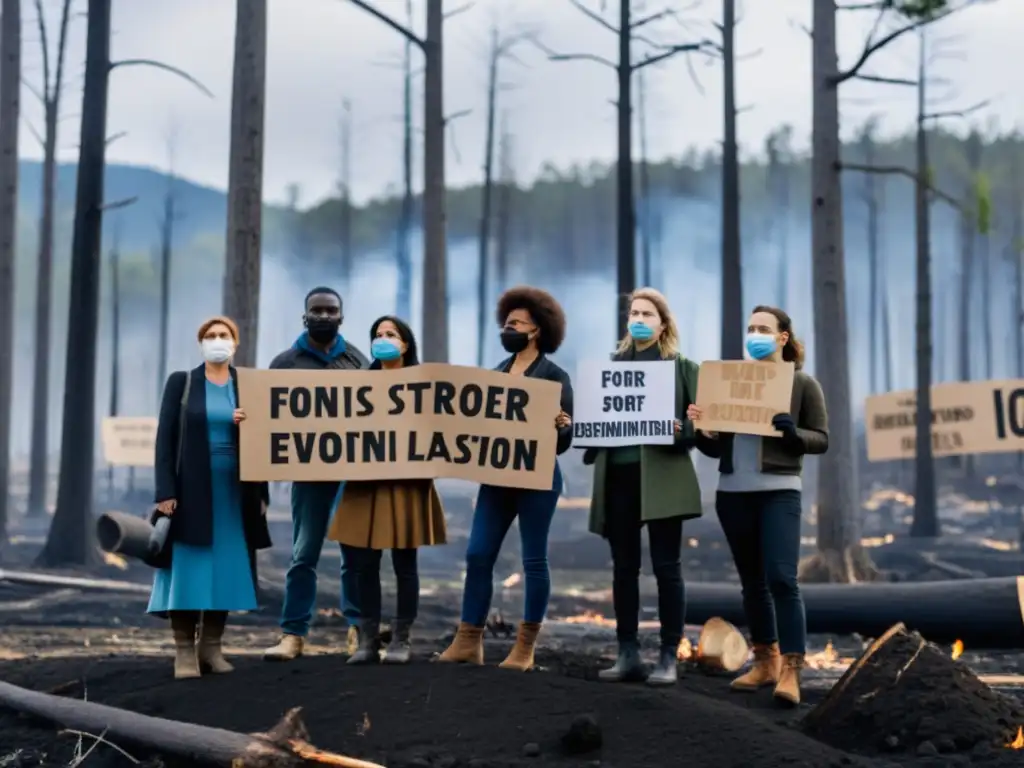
(511,581)
(1017,743)
(827,658)
(591,617)
(958,650)
(685,650)
(364,726)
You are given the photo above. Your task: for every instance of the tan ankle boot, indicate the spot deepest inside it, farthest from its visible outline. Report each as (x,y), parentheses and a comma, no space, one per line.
(521,655)
(288,649)
(467,647)
(183,626)
(764,671)
(788,688)
(211,654)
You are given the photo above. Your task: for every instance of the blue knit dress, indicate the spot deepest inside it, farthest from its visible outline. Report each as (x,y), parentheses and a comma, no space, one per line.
(218,577)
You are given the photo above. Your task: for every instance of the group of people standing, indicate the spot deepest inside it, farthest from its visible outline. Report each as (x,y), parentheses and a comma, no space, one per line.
(219,522)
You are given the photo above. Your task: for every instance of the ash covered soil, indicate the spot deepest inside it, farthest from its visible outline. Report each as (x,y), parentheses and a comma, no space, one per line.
(429,714)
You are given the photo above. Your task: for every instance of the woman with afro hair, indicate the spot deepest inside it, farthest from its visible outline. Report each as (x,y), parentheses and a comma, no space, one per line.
(532,327)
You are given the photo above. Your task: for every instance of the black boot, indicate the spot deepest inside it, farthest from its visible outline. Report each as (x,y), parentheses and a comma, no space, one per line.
(368,651)
(666,671)
(399,650)
(628,666)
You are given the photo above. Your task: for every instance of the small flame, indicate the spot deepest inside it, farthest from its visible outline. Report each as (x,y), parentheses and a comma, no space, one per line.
(511,581)
(685,650)
(591,617)
(958,650)
(1017,743)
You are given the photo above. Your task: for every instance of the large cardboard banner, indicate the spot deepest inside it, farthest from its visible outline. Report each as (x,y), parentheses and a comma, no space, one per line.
(425,422)
(967,418)
(743,396)
(618,403)
(129,441)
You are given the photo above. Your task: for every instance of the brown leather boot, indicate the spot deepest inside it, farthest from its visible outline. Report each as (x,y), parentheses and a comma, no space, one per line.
(764,671)
(467,647)
(521,655)
(183,626)
(211,655)
(788,688)
(288,649)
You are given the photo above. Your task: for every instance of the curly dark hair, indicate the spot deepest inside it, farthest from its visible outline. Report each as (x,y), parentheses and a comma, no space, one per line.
(544,309)
(793,351)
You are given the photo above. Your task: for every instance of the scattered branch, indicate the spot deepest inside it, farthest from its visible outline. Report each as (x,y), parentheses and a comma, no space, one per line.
(553,56)
(876,6)
(119,204)
(672,51)
(99,740)
(872,46)
(897,170)
(165,67)
(957,112)
(456,115)
(45,47)
(33,90)
(594,17)
(885,80)
(457,11)
(35,133)
(408,34)
(115,137)
(653,17)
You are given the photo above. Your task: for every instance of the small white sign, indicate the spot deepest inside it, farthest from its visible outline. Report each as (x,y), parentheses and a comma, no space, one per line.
(618,403)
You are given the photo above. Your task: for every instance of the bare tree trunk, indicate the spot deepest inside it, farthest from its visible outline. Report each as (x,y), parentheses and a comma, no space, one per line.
(886,341)
(245,176)
(484,239)
(403,300)
(625,217)
(838,510)
(502,244)
(1016,255)
(645,182)
(968,255)
(345,183)
(874,281)
(435,248)
(166,258)
(71,539)
(51,93)
(732,331)
(985,278)
(10,111)
(115,337)
(926,513)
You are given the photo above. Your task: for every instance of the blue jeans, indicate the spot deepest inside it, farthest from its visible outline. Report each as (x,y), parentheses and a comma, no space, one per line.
(763,531)
(312,505)
(496,508)
(364,565)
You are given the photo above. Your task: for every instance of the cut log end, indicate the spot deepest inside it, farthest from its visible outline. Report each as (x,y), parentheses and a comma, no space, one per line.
(851,566)
(903,692)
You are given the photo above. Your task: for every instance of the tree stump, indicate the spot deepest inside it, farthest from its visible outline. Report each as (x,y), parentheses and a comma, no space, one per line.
(905,694)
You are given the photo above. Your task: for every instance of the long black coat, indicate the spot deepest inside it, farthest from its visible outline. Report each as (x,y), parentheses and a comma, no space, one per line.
(192,487)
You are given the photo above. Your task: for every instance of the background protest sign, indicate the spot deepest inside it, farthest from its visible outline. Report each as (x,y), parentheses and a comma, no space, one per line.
(967,418)
(129,441)
(425,422)
(743,396)
(624,403)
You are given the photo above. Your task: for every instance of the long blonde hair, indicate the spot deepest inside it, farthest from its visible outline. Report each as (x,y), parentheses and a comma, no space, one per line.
(668,342)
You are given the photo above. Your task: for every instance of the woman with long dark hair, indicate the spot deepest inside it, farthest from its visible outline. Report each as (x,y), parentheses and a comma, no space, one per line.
(532,327)
(398,515)
(759,505)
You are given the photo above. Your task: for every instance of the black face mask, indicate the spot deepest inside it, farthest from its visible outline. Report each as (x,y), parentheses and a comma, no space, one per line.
(323,330)
(514,341)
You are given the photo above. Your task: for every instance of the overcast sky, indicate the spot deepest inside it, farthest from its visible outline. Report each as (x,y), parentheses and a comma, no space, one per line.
(322,51)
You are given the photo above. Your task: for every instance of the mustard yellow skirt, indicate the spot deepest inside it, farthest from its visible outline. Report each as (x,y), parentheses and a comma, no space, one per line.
(389,515)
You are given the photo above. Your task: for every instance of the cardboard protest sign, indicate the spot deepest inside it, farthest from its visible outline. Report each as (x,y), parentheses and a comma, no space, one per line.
(129,441)
(619,403)
(967,418)
(425,422)
(743,396)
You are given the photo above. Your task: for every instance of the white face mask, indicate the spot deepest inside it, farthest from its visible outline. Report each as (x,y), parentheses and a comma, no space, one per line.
(217,350)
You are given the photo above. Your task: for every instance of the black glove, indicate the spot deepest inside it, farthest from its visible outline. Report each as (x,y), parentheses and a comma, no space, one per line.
(784,423)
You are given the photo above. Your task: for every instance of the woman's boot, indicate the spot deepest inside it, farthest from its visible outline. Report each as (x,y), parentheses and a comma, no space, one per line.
(183,627)
(666,672)
(788,688)
(628,667)
(368,651)
(399,650)
(467,647)
(521,655)
(211,653)
(764,671)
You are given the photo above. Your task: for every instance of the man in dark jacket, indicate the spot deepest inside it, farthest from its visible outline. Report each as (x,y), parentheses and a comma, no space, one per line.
(320,347)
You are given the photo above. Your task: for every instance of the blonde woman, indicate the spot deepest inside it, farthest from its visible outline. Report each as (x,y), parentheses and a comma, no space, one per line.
(648,485)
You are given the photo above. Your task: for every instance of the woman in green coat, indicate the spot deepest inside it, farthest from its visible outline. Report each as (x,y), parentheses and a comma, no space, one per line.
(652,485)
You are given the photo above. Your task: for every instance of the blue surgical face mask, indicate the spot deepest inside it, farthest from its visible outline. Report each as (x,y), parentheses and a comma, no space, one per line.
(641,332)
(384,349)
(760,346)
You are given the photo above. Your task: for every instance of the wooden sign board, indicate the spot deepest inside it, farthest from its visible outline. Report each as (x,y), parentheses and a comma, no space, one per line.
(743,396)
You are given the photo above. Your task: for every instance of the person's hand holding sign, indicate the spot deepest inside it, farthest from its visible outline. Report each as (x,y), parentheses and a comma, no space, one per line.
(238,416)
(693,413)
(562,420)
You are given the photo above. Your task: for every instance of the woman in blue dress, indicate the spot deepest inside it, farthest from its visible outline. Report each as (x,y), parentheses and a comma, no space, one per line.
(217,521)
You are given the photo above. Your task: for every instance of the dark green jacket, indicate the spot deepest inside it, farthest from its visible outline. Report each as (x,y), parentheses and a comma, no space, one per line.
(669,486)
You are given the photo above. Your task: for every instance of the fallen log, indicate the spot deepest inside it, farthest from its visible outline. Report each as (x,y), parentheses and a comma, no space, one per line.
(904,694)
(286,745)
(74,582)
(983,613)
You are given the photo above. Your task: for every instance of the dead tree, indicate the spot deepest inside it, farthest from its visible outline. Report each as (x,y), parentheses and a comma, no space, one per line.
(778,149)
(503,205)
(403,261)
(1015,255)
(114,405)
(49,96)
(732,330)
(168,219)
(71,539)
(840,555)
(345,192)
(10,111)
(626,32)
(644,178)
(500,48)
(245,176)
(435,249)
(871,196)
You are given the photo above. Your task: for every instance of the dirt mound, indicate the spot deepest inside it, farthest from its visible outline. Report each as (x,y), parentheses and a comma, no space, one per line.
(907,696)
(430,714)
